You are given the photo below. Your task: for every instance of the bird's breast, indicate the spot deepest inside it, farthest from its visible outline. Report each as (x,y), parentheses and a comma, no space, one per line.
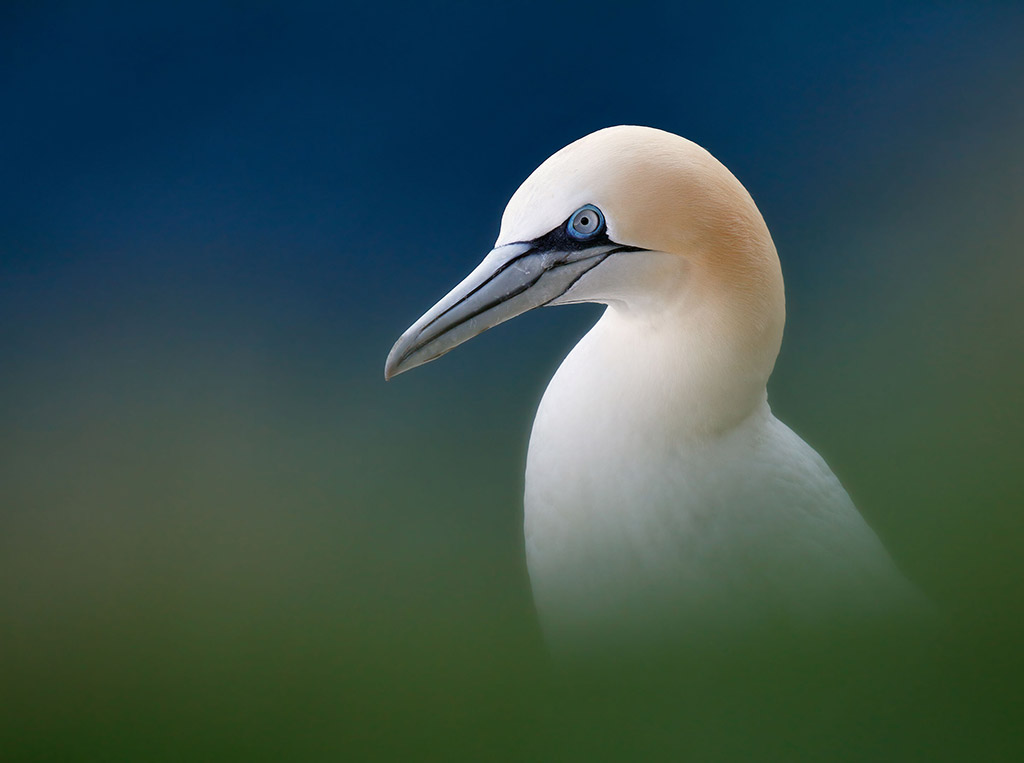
(631,520)
(616,506)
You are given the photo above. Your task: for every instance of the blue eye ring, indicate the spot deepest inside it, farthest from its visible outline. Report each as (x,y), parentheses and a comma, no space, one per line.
(586,222)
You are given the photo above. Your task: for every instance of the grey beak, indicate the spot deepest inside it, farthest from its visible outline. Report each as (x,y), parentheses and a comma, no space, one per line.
(511,280)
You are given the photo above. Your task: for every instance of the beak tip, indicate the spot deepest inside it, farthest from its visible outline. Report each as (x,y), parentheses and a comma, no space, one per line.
(398,358)
(391,367)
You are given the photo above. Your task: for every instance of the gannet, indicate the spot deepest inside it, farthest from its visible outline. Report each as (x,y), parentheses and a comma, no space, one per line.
(662,496)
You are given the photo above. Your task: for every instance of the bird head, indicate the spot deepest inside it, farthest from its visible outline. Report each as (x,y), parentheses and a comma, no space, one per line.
(639,219)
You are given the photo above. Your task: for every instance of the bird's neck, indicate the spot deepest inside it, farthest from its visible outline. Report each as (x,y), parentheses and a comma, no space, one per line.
(675,373)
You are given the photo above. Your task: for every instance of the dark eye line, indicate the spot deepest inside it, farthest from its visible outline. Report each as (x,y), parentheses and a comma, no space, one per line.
(564,239)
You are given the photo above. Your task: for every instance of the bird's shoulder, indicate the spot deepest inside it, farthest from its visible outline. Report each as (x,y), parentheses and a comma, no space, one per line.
(763,491)
(799,517)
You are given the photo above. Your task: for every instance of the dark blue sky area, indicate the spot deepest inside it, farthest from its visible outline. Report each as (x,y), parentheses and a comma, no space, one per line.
(328,157)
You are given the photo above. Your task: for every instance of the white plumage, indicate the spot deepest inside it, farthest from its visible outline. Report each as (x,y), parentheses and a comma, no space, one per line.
(662,495)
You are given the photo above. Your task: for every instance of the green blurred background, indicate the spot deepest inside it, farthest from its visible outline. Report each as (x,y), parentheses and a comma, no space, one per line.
(222,536)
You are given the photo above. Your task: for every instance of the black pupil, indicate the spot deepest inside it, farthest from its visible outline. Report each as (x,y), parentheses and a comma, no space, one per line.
(584,221)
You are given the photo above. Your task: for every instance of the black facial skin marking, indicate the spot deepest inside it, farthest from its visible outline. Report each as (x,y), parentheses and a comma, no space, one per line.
(556,240)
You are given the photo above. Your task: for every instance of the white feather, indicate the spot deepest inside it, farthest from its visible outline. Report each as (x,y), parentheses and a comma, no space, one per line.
(640,526)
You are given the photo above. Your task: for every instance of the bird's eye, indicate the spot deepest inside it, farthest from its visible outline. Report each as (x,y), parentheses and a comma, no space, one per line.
(586,222)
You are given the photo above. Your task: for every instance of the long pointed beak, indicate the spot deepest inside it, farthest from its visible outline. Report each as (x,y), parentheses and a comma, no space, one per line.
(511,280)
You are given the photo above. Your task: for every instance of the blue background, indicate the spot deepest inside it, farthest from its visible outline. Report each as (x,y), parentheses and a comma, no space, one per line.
(221,533)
